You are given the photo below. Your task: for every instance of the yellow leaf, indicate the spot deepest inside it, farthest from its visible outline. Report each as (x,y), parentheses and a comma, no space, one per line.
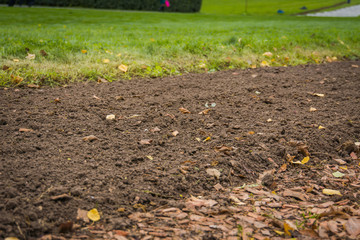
(123,68)
(287,229)
(106,60)
(203,65)
(279,232)
(93,215)
(264,64)
(16,60)
(344,168)
(321,127)
(331,192)
(253,66)
(198,139)
(251,132)
(305,160)
(207,139)
(84,51)
(119,55)
(150,157)
(109,52)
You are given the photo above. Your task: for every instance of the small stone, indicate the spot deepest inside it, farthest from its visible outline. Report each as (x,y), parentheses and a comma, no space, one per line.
(110,117)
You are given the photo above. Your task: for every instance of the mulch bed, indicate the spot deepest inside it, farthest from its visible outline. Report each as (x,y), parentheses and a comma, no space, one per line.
(264,153)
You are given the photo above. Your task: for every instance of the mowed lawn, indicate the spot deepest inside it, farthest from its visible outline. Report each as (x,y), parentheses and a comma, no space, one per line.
(49,46)
(266,7)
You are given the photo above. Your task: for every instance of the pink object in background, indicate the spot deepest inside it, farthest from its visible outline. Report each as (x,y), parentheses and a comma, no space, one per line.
(167,3)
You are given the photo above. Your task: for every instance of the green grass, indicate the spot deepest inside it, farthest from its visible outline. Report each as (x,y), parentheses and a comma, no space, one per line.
(158,44)
(265,7)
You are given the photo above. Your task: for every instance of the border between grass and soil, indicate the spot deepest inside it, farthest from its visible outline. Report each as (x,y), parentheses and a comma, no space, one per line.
(320,9)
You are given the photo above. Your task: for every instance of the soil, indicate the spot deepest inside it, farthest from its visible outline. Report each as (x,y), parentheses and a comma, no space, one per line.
(159,151)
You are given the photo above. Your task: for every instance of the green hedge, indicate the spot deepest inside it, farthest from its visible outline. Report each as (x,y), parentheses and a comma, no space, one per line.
(145,5)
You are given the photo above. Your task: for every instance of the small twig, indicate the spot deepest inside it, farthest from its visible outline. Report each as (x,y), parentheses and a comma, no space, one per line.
(22,234)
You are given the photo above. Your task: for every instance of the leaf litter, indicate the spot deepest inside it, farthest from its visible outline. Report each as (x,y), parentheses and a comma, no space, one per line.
(228,186)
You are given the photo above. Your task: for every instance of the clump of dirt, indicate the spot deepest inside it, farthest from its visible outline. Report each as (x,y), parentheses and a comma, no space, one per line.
(70,154)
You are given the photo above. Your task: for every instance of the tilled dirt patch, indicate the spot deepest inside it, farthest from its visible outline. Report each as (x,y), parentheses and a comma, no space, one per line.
(173,138)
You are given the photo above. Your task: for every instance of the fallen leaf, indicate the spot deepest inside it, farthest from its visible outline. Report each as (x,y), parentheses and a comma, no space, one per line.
(340,161)
(268,54)
(90,138)
(287,229)
(213,172)
(223,149)
(254,75)
(264,64)
(175,133)
(251,132)
(16,60)
(352,226)
(155,129)
(207,139)
(321,127)
(82,215)
(123,68)
(253,66)
(106,60)
(145,141)
(57,100)
(236,200)
(31,85)
(101,80)
(43,53)
(319,94)
(184,110)
(338,174)
(11,238)
(121,233)
(282,168)
(4,67)
(16,79)
(30,56)
(66,227)
(25,130)
(84,51)
(279,232)
(299,195)
(61,197)
(205,112)
(93,215)
(305,160)
(196,202)
(353,156)
(150,157)
(331,192)
(269,120)
(313,109)
(355,66)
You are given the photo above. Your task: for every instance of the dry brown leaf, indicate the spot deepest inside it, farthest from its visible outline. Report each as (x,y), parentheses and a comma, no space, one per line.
(82,215)
(282,168)
(353,156)
(101,80)
(31,85)
(205,112)
(196,202)
(145,141)
(184,110)
(25,130)
(43,53)
(61,197)
(223,149)
(90,138)
(155,129)
(289,193)
(66,227)
(213,172)
(352,226)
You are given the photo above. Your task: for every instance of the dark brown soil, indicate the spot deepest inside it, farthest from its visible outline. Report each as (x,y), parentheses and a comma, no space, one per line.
(137,163)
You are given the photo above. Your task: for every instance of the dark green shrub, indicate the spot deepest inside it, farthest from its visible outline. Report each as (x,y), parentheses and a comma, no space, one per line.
(142,5)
